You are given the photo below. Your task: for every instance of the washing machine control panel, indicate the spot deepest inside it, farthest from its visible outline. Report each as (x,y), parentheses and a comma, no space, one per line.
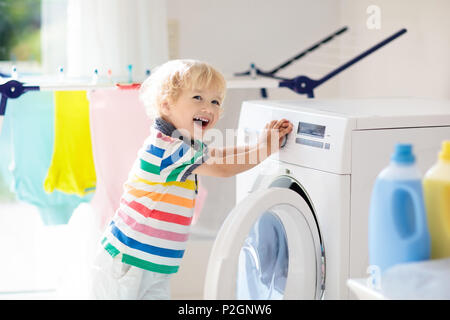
(318,140)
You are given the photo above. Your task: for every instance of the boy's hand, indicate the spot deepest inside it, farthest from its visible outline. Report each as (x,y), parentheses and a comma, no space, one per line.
(273,134)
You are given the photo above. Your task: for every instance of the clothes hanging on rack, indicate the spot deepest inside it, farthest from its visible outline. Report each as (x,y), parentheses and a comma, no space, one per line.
(72,168)
(119,125)
(1,123)
(200,200)
(5,153)
(31,132)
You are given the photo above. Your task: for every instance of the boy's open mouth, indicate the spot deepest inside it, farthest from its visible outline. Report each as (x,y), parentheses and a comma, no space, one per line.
(201,121)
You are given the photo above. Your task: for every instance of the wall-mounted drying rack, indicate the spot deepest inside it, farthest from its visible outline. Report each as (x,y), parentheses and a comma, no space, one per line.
(14,89)
(253,71)
(305,85)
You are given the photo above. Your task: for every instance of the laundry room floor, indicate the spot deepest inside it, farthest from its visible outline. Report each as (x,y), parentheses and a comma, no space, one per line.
(43,262)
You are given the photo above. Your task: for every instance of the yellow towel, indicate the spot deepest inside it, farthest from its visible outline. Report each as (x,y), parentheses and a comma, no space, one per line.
(72,168)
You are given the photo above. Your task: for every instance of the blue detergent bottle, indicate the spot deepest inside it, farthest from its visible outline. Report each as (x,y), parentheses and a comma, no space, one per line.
(398,230)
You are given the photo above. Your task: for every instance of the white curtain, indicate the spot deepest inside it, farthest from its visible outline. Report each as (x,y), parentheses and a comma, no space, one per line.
(53,35)
(106,35)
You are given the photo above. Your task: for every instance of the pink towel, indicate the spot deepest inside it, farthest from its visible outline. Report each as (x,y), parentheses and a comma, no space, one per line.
(119,126)
(199,201)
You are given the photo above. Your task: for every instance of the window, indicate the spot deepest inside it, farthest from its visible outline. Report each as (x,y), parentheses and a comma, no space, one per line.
(20,34)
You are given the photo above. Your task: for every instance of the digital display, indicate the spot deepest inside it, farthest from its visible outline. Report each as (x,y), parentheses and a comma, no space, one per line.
(311,129)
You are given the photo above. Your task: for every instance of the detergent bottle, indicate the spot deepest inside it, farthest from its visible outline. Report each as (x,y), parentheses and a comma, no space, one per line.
(436,187)
(398,230)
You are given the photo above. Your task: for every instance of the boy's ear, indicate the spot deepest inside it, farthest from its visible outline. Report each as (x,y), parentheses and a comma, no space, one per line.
(165,108)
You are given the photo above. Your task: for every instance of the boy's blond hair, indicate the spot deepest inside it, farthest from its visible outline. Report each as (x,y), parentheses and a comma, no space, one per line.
(167,81)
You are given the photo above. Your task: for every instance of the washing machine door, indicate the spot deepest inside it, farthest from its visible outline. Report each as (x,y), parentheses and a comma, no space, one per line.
(267,248)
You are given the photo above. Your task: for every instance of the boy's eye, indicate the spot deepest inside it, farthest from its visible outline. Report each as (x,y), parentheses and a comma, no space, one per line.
(197,97)
(215,102)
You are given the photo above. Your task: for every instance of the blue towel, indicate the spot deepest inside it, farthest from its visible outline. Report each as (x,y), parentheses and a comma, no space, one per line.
(5,157)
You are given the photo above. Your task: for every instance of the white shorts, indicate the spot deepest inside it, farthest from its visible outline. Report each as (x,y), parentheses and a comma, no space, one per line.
(112,279)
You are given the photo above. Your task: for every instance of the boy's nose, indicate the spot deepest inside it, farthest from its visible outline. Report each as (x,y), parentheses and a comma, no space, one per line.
(207,108)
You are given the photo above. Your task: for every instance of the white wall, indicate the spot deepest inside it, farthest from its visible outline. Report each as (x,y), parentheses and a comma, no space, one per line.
(416,64)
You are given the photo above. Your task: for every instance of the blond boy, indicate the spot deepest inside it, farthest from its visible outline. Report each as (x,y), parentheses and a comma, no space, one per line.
(145,241)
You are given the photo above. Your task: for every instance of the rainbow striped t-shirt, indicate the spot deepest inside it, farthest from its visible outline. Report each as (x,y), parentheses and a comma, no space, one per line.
(150,228)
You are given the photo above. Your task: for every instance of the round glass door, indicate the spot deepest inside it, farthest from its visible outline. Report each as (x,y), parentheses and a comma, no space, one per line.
(269,247)
(263,261)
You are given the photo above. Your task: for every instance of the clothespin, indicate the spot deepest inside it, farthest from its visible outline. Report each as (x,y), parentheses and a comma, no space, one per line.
(14,73)
(61,74)
(252,71)
(130,85)
(130,73)
(109,75)
(95,77)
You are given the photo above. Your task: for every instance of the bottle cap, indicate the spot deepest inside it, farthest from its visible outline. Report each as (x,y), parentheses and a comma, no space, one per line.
(445,151)
(403,154)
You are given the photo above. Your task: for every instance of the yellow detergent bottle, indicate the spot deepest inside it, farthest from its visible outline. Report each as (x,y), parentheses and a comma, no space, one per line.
(436,186)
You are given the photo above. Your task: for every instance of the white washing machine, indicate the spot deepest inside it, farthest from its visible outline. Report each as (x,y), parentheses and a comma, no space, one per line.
(299,229)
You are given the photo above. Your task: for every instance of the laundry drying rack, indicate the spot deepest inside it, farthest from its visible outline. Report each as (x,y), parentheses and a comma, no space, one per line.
(301,84)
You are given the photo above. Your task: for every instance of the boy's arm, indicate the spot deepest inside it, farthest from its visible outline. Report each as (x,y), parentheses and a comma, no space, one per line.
(227,162)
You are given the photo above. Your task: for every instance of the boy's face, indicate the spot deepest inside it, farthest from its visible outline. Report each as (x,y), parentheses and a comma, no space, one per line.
(195,110)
